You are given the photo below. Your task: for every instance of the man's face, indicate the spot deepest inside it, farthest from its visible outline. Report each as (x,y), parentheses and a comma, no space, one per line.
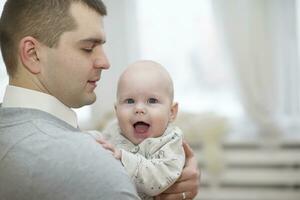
(71,70)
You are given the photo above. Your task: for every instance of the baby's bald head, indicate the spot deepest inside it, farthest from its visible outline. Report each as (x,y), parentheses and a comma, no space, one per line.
(148,71)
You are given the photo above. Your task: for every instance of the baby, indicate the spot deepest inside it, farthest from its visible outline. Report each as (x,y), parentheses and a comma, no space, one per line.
(143,137)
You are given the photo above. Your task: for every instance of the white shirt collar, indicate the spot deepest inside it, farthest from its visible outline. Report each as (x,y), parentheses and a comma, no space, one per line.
(26,98)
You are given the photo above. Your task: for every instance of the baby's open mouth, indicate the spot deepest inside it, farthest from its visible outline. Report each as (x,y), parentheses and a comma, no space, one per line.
(141,127)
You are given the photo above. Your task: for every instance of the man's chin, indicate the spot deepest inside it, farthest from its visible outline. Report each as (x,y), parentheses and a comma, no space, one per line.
(90,100)
(87,101)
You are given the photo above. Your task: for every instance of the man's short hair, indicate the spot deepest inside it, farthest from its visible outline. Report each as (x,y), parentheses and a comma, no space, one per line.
(45,20)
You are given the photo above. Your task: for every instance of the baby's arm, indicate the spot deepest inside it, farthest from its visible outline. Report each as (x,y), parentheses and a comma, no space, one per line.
(105,144)
(157,172)
(189,181)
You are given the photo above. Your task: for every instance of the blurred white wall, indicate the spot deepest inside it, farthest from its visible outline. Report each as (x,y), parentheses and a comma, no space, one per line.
(3,76)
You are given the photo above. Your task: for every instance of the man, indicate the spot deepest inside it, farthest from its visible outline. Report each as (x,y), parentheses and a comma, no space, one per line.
(53,52)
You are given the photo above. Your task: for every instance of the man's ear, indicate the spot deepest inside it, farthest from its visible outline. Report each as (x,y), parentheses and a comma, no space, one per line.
(174,111)
(29,54)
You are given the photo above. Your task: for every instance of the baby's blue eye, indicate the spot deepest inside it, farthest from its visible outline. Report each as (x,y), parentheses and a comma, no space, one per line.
(152,100)
(129,101)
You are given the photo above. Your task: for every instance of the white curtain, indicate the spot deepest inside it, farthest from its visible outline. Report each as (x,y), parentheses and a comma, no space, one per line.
(261,38)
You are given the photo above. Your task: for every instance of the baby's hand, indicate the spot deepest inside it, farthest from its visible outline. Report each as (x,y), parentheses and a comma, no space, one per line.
(106,145)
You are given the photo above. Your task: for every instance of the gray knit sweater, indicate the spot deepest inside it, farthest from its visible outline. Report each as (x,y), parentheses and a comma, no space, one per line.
(44,158)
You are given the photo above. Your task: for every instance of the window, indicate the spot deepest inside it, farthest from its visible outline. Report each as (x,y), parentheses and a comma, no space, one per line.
(182,35)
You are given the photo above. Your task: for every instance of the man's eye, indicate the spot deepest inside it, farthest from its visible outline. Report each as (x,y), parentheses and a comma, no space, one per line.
(129,101)
(152,100)
(88,50)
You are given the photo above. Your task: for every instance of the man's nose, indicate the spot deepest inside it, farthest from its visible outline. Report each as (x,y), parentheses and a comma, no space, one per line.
(101,61)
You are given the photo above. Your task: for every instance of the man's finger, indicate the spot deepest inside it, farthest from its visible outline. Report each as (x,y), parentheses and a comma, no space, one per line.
(187,149)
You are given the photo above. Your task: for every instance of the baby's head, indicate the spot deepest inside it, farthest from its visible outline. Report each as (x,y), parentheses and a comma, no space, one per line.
(145,104)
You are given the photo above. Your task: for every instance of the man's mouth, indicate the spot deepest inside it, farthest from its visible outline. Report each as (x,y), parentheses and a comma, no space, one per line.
(94,81)
(141,127)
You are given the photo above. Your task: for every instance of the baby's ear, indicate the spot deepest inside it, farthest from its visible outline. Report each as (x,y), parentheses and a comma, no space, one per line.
(115,106)
(174,111)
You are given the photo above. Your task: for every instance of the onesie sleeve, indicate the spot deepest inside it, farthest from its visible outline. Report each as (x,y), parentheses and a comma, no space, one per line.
(157,164)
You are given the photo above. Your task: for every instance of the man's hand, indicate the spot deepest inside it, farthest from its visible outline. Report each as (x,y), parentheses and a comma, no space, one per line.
(186,187)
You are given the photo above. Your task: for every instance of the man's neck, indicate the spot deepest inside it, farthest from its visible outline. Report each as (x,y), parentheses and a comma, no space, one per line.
(20,97)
